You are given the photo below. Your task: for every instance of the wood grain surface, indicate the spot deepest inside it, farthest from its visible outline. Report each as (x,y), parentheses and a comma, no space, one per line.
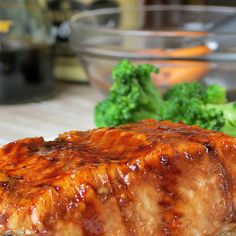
(71,108)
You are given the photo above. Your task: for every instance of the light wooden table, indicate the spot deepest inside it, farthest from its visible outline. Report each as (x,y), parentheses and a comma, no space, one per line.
(70,109)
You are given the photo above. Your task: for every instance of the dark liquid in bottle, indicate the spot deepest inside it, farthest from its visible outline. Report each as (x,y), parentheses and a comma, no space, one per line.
(25,72)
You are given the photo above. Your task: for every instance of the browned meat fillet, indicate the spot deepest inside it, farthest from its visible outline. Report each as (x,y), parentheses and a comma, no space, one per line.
(150,179)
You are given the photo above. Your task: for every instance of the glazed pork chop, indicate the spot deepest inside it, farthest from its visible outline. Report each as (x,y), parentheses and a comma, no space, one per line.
(145,179)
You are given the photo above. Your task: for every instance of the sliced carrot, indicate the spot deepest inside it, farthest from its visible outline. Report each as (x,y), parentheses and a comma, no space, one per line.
(179,71)
(195,51)
(176,71)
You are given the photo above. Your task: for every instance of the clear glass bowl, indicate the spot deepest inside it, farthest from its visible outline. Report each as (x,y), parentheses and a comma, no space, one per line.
(187,43)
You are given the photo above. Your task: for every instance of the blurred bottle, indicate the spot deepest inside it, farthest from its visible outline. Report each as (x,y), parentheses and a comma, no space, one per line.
(25,52)
(66,64)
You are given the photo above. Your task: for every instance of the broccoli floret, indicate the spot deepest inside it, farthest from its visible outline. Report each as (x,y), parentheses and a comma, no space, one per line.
(195,105)
(185,90)
(215,94)
(132,96)
(185,102)
(229,113)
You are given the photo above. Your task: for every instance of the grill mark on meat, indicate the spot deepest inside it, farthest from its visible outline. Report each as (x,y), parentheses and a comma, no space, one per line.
(168,185)
(92,225)
(124,197)
(230,215)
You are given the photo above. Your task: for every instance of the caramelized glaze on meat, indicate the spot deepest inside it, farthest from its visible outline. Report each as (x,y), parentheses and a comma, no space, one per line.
(146,179)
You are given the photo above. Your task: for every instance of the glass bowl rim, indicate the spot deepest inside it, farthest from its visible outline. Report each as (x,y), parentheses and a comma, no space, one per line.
(94,51)
(197,8)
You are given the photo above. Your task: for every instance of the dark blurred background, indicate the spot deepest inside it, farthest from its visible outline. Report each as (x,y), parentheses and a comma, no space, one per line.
(199,2)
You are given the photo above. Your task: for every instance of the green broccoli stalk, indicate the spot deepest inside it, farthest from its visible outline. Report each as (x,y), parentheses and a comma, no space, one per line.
(132,96)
